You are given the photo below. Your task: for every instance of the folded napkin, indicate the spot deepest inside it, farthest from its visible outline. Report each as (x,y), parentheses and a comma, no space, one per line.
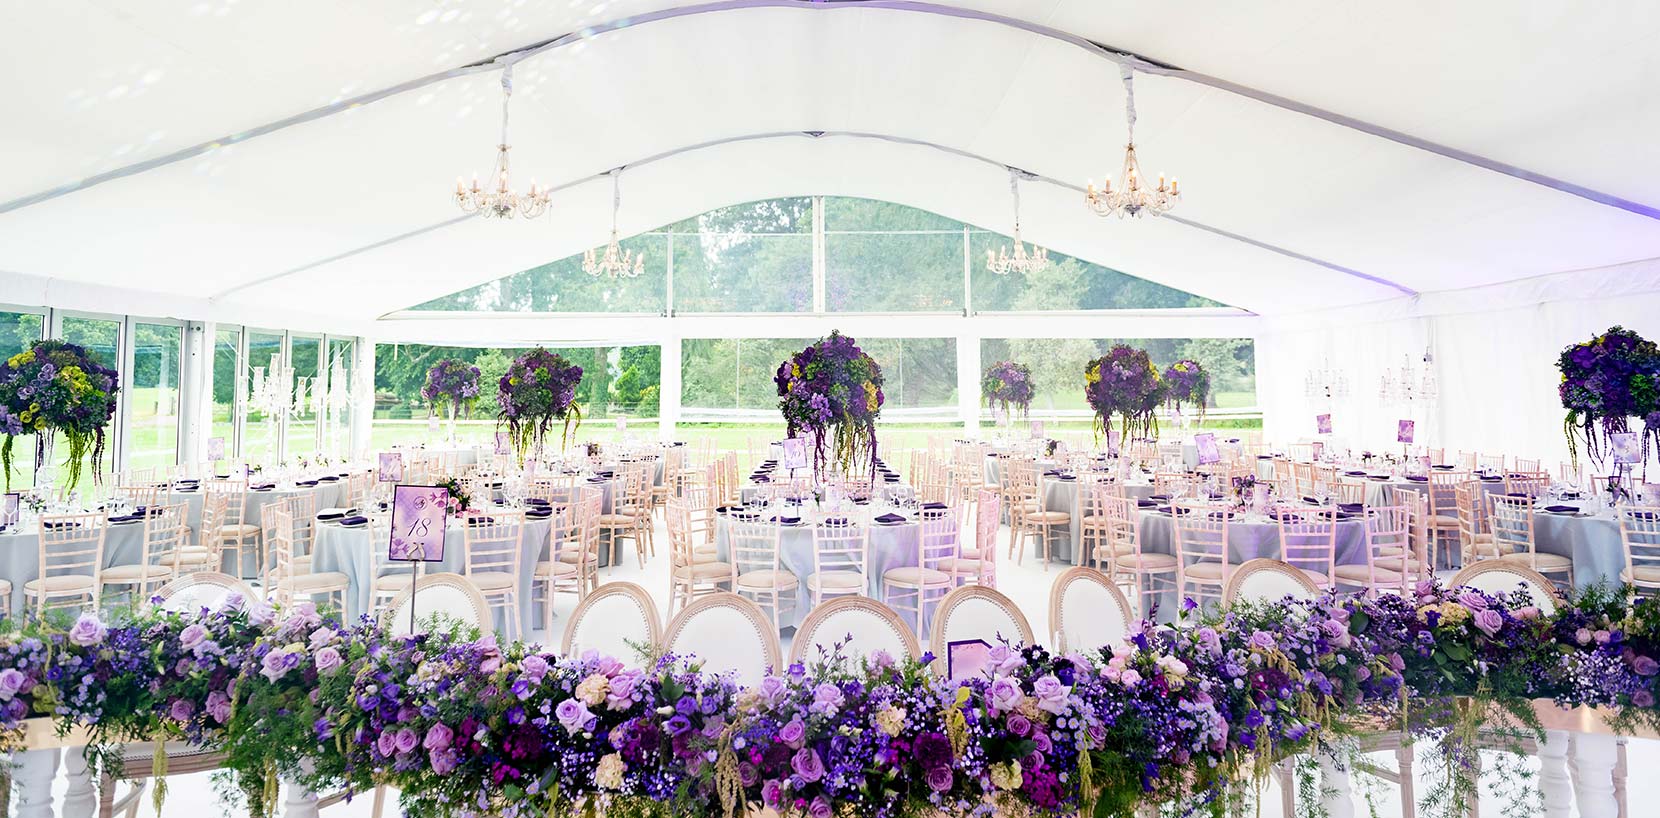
(536,501)
(355,519)
(725,509)
(126,518)
(1417,478)
(538,514)
(890,519)
(1265,457)
(53,525)
(782,520)
(480,519)
(1348,515)
(892,478)
(1377,477)
(1310,500)
(747,515)
(1561,509)
(933,505)
(305,483)
(597,480)
(263,487)
(1158,496)
(760,478)
(1443,466)
(1354,474)
(1146,502)
(835,521)
(328,479)
(187,482)
(1490,478)
(326,516)
(1051,473)
(1351,507)
(1066,478)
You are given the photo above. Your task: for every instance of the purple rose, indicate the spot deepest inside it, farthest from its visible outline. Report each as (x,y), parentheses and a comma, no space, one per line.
(1042,742)
(181,710)
(793,733)
(820,808)
(328,659)
(932,750)
(438,737)
(827,699)
(192,635)
(1262,640)
(573,715)
(87,631)
(772,792)
(1018,725)
(1004,694)
(1489,621)
(807,764)
(445,760)
(533,668)
(406,740)
(219,706)
(277,663)
(13,682)
(1050,693)
(1473,601)
(386,743)
(772,688)
(1645,666)
(938,778)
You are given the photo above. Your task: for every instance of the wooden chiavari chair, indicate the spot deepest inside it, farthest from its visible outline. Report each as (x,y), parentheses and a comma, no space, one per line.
(1308,543)
(71,555)
(495,552)
(841,557)
(937,541)
(760,575)
(1511,519)
(164,530)
(1640,540)
(1203,563)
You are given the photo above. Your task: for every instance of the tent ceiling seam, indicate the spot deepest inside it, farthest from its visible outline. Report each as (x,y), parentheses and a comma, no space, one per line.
(1104,51)
(815,135)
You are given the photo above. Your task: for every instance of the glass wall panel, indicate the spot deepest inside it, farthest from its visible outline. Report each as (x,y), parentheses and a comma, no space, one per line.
(306,355)
(153,438)
(223,422)
(885,257)
(1066,284)
(18,330)
(100,336)
(725,373)
(753,257)
(264,411)
(563,286)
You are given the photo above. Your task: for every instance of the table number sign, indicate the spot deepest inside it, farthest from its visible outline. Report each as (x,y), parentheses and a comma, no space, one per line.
(216,449)
(391,467)
(967,658)
(1626,449)
(501,444)
(418,517)
(1112,442)
(1205,443)
(1318,450)
(793,453)
(1404,431)
(1322,424)
(11,509)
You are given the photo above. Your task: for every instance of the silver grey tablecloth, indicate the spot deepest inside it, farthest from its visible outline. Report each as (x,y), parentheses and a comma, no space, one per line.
(894,546)
(1593,543)
(348,550)
(20,554)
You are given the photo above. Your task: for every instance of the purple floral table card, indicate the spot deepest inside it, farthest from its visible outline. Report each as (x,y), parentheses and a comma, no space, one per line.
(1317,450)
(1037,430)
(967,658)
(1205,443)
(391,467)
(1322,424)
(793,453)
(1625,447)
(1405,431)
(215,449)
(418,517)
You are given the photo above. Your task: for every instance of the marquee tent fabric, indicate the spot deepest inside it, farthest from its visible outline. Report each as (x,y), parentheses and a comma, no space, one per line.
(1393,165)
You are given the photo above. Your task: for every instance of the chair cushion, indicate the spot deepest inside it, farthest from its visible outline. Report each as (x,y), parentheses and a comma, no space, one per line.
(67,583)
(1443,521)
(320,583)
(554,568)
(1146,562)
(704,571)
(1358,575)
(961,565)
(1208,571)
(837,580)
(617,520)
(1046,517)
(494,580)
(238,530)
(913,576)
(1543,562)
(1395,563)
(767,578)
(127,574)
(1315,577)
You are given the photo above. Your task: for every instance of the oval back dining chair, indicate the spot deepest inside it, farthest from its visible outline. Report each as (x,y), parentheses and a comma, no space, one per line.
(864,625)
(1504,577)
(976,612)
(1265,580)
(729,633)
(1087,611)
(450,596)
(617,620)
(202,590)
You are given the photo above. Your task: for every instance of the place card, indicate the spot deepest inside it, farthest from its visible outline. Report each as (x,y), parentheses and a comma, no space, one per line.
(1404,431)
(793,453)
(1209,453)
(391,467)
(215,449)
(419,514)
(1318,450)
(1037,429)
(1322,424)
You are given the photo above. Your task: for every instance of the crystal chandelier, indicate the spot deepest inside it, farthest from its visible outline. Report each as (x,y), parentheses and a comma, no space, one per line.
(1326,382)
(500,200)
(1132,197)
(616,262)
(1002,261)
(1407,386)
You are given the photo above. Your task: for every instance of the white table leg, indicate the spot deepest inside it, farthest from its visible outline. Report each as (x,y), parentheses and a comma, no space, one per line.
(301,802)
(1593,765)
(1336,798)
(1554,785)
(1621,771)
(33,779)
(81,801)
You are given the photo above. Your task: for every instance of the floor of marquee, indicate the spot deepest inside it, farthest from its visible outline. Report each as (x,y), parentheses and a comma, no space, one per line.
(1028,584)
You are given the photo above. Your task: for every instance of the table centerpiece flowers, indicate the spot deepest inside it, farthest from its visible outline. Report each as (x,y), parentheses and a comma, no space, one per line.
(1124,382)
(1008,385)
(1187,382)
(451,388)
(538,389)
(833,391)
(459,500)
(1606,382)
(53,388)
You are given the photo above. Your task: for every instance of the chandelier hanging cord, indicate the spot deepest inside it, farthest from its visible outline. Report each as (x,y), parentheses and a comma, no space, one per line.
(506,99)
(1014,190)
(1128,73)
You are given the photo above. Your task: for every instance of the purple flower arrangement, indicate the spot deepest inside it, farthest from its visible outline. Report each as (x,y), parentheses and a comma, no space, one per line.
(538,389)
(462,725)
(451,385)
(832,390)
(1606,382)
(1009,385)
(53,388)
(1124,382)
(1185,381)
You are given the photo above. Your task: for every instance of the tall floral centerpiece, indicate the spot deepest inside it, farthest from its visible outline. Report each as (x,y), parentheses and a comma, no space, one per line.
(1008,385)
(1606,382)
(833,390)
(538,388)
(451,388)
(1124,382)
(56,388)
(1187,382)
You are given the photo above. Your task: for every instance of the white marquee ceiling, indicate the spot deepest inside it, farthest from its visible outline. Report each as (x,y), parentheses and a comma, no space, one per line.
(347,215)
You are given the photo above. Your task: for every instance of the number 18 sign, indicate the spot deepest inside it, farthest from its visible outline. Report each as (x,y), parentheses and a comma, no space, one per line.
(418,517)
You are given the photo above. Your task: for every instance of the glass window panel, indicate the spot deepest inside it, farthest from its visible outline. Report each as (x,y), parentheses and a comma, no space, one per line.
(1066,284)
(153,438)
(305,355)
(100,336)
(259,444)
(843,213)
(18,330)
(743,272)
(223,424)
(1058,365)
(792,214)
(563,286)
(725,373)
(891,272)
(917,373)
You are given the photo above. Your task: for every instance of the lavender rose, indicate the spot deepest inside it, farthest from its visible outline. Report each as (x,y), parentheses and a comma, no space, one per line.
(87,631)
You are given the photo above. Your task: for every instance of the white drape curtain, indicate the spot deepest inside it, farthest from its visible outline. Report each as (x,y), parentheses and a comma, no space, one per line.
(1495,349)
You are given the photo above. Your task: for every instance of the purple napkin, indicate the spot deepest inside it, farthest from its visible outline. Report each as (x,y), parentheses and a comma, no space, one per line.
(1354,474)
(1561,509)
(536,501)
(781,520)
(328,479)
(1353,508)
(306,483)
(597,480)
(1146,502)
(355,519)
(1158,496)
(331,515)
(1491,478)
(480,520)
(126,518)
(890,518)
(1417,478)
(761,478)
(933,505)
(263,487)
(539,513)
